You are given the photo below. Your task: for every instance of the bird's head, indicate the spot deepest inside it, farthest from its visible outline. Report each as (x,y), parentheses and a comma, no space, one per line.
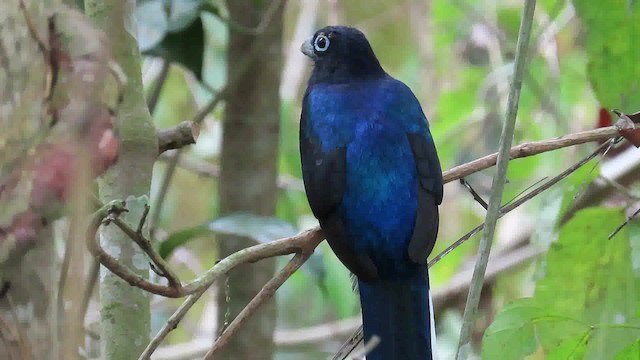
(341,54)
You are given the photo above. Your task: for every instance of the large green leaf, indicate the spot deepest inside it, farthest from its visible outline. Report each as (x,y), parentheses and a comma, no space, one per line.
(515,330)
(631,352)
(586,304)
(613,35)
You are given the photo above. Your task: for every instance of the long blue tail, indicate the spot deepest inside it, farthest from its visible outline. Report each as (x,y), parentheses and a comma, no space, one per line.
(400,313)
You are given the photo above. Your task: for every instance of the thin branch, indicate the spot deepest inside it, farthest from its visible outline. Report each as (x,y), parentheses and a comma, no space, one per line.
(168,175)
(367,348)
(267,291)
(625,223)
(177,137)
(144,243)
(493,212)
(532,148)
(308,240)
(204,168)
(152,100)
(171,324)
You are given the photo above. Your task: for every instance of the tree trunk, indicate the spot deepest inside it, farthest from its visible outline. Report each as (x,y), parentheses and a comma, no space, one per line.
(27,281)
(125,314)
(249,164)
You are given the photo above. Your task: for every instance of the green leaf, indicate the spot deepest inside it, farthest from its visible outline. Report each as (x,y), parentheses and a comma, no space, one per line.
(585,306)
(572,348)
(511,335)
(180,238)
(612,46)
(631,352)
(590,278)
(259,228)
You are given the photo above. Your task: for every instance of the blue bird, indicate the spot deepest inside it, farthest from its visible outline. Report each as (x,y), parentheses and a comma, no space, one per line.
(373,180)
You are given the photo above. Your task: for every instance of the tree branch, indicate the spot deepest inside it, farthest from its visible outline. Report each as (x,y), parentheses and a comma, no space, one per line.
(493,212)
(265,294)
(177,137)
(307,241)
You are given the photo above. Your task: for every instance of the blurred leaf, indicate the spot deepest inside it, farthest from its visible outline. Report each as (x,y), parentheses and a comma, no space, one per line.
(259,228)
(631,352)
(176,49)
(337,286)
(152,23)
(182,13)
(577,182)
(180,238)
(634,241)
(585,306)
(173,30)
(509,21)
(572,348)
(613,35)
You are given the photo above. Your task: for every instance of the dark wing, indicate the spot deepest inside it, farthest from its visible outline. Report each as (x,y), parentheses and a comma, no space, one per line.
(430,193)
(324,175)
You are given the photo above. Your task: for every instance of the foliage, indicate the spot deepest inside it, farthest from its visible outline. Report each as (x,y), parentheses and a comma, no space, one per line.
(585,306)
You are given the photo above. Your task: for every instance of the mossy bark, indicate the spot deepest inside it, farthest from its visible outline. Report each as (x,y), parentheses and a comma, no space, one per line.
(125,310)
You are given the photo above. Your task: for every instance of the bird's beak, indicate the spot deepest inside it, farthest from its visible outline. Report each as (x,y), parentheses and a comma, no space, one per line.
(307,48)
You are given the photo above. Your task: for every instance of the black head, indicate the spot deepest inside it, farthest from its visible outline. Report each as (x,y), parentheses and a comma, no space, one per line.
(341,54)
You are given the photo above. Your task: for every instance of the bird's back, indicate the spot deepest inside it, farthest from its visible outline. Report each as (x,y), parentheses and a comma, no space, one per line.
(371,119)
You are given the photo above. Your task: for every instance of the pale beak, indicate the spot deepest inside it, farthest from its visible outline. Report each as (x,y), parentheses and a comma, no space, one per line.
(307,48)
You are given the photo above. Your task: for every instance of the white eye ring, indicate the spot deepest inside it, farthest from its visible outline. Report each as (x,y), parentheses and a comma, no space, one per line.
(321,43)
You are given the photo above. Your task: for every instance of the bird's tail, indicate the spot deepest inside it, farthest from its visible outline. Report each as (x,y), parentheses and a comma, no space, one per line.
(400,313)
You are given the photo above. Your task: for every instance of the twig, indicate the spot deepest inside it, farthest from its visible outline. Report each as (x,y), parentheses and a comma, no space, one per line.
(152,100)
(168,175)
(144,243)
(265,294)
(493,212)
(203,168)
(625,223)
(367,348)
(179,136)
(171,324)
(532,148)
(473,192)
(508,208)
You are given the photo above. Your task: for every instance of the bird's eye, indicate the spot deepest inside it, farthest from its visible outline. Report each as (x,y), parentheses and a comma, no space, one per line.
(321,43)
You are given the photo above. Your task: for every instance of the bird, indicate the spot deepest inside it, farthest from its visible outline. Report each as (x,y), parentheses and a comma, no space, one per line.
(374,182)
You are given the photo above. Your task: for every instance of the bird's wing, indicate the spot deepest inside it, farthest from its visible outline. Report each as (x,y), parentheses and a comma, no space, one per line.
(324,174)
(430,193)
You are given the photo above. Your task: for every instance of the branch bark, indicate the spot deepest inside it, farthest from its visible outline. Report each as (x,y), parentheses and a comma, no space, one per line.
(493,212)
(125,314)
